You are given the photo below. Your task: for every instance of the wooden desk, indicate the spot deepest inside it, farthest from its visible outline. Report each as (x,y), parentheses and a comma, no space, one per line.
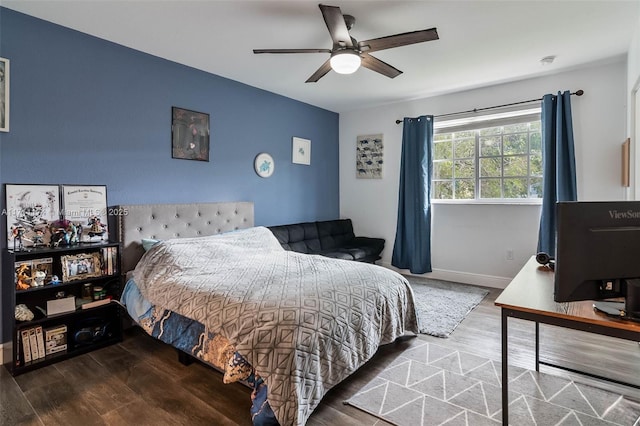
(530,296)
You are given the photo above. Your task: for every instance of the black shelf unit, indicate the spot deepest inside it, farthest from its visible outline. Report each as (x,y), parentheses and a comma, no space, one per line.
(87,329)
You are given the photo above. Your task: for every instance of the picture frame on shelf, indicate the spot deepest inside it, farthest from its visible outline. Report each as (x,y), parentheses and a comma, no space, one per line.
(81,266)
(189,134)
(30,210)
(4,94)
(86,206)
(301,151)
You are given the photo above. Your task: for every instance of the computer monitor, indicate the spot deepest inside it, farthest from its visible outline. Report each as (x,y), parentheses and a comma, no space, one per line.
(598,251)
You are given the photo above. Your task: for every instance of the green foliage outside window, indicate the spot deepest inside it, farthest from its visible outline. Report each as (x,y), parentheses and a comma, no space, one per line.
(499,162)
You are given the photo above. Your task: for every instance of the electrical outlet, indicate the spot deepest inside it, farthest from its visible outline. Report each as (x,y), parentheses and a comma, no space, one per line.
(509,255)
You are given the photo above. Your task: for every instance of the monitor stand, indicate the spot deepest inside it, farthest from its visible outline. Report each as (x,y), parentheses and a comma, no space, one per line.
(614,309)
(630,308)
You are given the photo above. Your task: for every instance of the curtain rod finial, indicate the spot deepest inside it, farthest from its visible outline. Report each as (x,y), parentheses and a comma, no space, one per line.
(580,92)
(398,121)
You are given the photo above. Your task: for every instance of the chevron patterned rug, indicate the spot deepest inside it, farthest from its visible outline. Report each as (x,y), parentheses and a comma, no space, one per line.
(432,385)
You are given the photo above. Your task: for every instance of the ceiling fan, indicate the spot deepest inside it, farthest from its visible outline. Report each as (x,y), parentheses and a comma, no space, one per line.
(348,54)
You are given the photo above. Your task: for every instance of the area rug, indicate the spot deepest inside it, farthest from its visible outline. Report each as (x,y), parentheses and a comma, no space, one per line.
(442,305)
(432,385)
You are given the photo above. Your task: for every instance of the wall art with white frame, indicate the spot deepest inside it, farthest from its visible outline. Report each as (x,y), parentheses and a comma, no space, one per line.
(301,151)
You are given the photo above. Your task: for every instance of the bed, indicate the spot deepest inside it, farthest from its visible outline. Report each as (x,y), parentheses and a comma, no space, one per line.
(291,325)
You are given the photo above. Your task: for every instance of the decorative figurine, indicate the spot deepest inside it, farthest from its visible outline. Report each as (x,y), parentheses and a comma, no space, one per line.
(55,280)
(60,233)
(17,232)
(58,236)
(38,280)
(23,277)
(38,238)
(96,228)
(73,233)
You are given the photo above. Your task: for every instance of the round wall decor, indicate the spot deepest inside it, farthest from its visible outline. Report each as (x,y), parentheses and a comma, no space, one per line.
(264,165)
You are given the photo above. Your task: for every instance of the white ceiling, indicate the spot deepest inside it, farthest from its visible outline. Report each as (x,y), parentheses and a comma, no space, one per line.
(482,42)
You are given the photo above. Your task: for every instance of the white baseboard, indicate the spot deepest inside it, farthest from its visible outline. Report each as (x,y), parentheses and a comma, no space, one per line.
(5,352)
(456,276)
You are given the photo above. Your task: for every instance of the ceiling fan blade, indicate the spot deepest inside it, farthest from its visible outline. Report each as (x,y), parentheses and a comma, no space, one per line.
(291,51)
(398,40)
(320,72)
(375,64)
(336,25)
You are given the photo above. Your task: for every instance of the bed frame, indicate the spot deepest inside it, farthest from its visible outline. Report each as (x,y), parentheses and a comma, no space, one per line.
(132,223)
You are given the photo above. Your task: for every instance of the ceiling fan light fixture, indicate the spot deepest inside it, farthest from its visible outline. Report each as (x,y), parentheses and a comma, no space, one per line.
(345,61)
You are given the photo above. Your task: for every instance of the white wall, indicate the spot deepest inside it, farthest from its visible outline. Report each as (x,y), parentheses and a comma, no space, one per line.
(633,122)
(469,242)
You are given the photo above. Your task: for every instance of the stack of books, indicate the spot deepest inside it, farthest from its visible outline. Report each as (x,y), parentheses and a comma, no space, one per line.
(38,343)
(110,260)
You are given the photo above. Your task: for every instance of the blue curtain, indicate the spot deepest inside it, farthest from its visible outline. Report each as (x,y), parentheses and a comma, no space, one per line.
(558,163)
(412,248)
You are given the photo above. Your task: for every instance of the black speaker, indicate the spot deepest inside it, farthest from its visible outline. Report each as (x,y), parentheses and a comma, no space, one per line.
(546,260)
(92,330)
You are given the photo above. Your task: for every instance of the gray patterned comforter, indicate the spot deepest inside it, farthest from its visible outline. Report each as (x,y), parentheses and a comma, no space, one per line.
(304,322)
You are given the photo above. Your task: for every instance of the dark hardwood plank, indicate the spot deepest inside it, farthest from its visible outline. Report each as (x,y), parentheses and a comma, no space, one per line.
(140,413)
(59,404)
(97,385)
(14,406)
(232,400)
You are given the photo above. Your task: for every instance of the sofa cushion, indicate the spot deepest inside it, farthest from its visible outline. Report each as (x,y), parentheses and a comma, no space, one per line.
(300,237)
(370,246)
(339,254)
(335,233)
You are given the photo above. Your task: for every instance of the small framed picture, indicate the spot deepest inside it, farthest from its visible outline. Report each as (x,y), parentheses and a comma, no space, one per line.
(81,266)
(4,95)
(301,153)
(189,134)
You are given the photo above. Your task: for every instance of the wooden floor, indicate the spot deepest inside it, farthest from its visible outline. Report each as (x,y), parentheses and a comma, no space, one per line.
(140,381)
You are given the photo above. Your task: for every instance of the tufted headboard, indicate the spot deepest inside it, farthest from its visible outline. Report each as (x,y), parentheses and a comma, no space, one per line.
(132,223)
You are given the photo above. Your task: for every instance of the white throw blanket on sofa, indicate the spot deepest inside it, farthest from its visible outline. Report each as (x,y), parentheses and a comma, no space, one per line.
(304,322)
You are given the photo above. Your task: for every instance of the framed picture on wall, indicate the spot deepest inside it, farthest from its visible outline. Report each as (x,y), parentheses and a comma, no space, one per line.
(4,95)
(301,151)
(369,156)
(189,134)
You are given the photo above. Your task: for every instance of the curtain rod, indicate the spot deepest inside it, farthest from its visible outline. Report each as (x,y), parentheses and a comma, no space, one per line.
(577,93)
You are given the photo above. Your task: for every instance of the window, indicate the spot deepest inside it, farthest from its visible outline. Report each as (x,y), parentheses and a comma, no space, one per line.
(495,157)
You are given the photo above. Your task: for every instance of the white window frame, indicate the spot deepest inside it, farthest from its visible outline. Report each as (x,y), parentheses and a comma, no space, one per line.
(475,122)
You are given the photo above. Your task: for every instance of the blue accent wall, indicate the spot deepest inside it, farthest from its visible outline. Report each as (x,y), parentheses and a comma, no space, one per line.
(88,111)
